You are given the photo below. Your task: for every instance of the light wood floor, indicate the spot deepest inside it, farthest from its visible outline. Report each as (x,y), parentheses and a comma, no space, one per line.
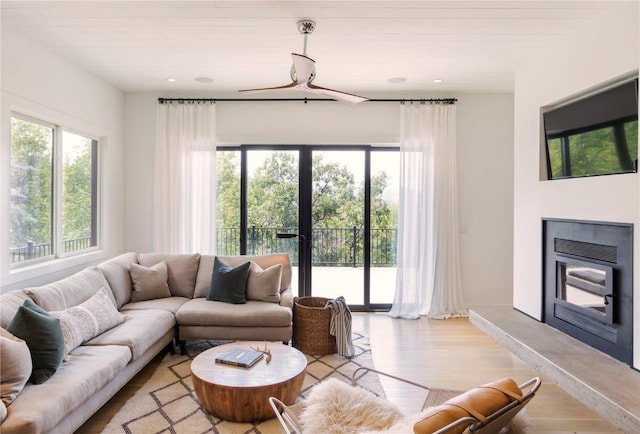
(450,354)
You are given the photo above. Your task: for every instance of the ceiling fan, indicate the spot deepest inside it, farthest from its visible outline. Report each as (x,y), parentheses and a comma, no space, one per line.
(303,71)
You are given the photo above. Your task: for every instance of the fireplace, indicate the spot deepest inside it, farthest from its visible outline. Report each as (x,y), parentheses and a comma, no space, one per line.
(588,283)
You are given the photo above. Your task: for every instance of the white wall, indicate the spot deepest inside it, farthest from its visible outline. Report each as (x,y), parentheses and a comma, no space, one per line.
(605,50)
(485,157)
(37,82)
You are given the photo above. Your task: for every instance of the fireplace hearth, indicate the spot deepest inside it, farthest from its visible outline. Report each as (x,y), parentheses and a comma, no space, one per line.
(588,283)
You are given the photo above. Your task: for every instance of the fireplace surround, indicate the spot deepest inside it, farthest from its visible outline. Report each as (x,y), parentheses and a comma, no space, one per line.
(588,283)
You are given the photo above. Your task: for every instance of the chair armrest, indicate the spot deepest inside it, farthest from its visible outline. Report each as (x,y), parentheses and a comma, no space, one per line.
(471,421)
(289,422)
(529,388)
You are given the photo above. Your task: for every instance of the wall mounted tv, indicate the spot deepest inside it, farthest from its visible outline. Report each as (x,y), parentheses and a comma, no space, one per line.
(596,134)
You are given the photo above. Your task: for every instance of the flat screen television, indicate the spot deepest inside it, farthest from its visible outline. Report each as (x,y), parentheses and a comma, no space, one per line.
(596,134)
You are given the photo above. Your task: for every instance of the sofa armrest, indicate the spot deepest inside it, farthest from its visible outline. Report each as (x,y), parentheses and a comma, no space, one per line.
(286,298)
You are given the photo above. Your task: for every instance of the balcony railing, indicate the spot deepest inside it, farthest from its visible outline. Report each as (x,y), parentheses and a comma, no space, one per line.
(35,251)
(332,247)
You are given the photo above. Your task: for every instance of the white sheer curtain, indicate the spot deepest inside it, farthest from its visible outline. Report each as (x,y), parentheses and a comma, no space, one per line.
(185,179)
(428,274)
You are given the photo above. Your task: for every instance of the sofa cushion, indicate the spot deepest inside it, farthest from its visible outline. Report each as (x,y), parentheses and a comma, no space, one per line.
(229,284)
(70,291)
(116,271)
(202,312)
(42,407)
(182,270)
(264,285)
(10,302)
(15,363)
(203,280)
(171,304)
(149,282)
(140,331)
(43,336)
(87,320)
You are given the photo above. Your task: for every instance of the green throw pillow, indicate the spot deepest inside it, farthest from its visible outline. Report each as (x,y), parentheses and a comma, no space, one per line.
(43,335)
(229,284)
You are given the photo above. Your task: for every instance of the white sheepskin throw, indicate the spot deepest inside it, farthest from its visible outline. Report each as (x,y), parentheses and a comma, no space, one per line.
(334,407)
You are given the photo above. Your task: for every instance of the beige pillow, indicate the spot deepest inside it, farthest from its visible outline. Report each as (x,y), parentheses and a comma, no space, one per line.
(264,285)
(181,270)
(87,320)
(15,363)
(149,283)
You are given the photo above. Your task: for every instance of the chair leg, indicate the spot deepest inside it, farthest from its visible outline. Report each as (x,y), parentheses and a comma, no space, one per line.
(183,348)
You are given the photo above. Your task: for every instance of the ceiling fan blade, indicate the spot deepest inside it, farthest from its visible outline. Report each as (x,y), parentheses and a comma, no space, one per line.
(264,89)
(304,67)
(349,98)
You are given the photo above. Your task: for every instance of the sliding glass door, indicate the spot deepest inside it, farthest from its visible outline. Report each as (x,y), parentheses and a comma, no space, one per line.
(333,209)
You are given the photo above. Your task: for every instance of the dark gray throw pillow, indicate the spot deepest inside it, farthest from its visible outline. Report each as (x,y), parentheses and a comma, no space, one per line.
(43,335)
(229,284)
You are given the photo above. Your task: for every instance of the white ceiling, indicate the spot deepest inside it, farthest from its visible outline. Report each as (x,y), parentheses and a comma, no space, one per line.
(358,45)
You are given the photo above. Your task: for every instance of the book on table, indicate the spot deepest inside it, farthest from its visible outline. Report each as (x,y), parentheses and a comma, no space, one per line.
(242,357)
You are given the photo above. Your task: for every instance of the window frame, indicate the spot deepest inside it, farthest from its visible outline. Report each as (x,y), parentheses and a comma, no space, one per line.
(57,197)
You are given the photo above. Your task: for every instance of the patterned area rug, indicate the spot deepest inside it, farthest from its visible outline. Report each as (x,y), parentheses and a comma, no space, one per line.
(167,402)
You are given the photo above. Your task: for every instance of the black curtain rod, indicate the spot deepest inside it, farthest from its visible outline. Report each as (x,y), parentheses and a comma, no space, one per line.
(305,100)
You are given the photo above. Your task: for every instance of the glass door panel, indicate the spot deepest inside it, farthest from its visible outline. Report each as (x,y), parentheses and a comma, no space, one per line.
(228,203)
(385,175)
(272,199)
(337,225)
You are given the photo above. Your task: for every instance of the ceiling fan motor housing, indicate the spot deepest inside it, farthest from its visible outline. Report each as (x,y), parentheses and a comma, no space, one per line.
(293,74)
(306,27)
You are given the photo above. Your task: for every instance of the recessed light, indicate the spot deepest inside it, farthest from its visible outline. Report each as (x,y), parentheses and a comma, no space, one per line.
(203,79)
(171,80)
(396,80)
(437,80)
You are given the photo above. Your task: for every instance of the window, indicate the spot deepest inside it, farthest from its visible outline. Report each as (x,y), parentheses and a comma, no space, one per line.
(53,207)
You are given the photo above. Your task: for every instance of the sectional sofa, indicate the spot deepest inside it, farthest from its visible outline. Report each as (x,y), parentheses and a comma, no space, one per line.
(117,316)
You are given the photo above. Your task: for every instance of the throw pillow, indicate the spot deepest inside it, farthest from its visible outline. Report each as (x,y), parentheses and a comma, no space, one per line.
(264,285)
(87,320)
(15,361)
(43,336)
(149,283)
(229,284)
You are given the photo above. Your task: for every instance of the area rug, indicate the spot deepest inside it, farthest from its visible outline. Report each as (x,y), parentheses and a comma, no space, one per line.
(167,403)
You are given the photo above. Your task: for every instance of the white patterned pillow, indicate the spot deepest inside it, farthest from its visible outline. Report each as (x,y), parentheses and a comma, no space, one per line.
(87,320)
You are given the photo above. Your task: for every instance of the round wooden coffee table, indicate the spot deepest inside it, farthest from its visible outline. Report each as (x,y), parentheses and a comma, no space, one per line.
(242,394)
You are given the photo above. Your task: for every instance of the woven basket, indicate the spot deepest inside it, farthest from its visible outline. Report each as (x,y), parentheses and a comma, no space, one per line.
(311,323)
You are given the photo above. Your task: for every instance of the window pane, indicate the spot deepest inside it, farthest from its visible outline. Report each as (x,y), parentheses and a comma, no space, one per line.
(337,218)
(78,195)
(272,200)
(593,153)
(228,202)
(31,190)
(385,190)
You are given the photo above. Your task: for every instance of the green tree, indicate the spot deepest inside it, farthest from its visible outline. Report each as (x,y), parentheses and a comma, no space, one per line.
(31,183)
(272,201)
(77,194)
(272,194)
